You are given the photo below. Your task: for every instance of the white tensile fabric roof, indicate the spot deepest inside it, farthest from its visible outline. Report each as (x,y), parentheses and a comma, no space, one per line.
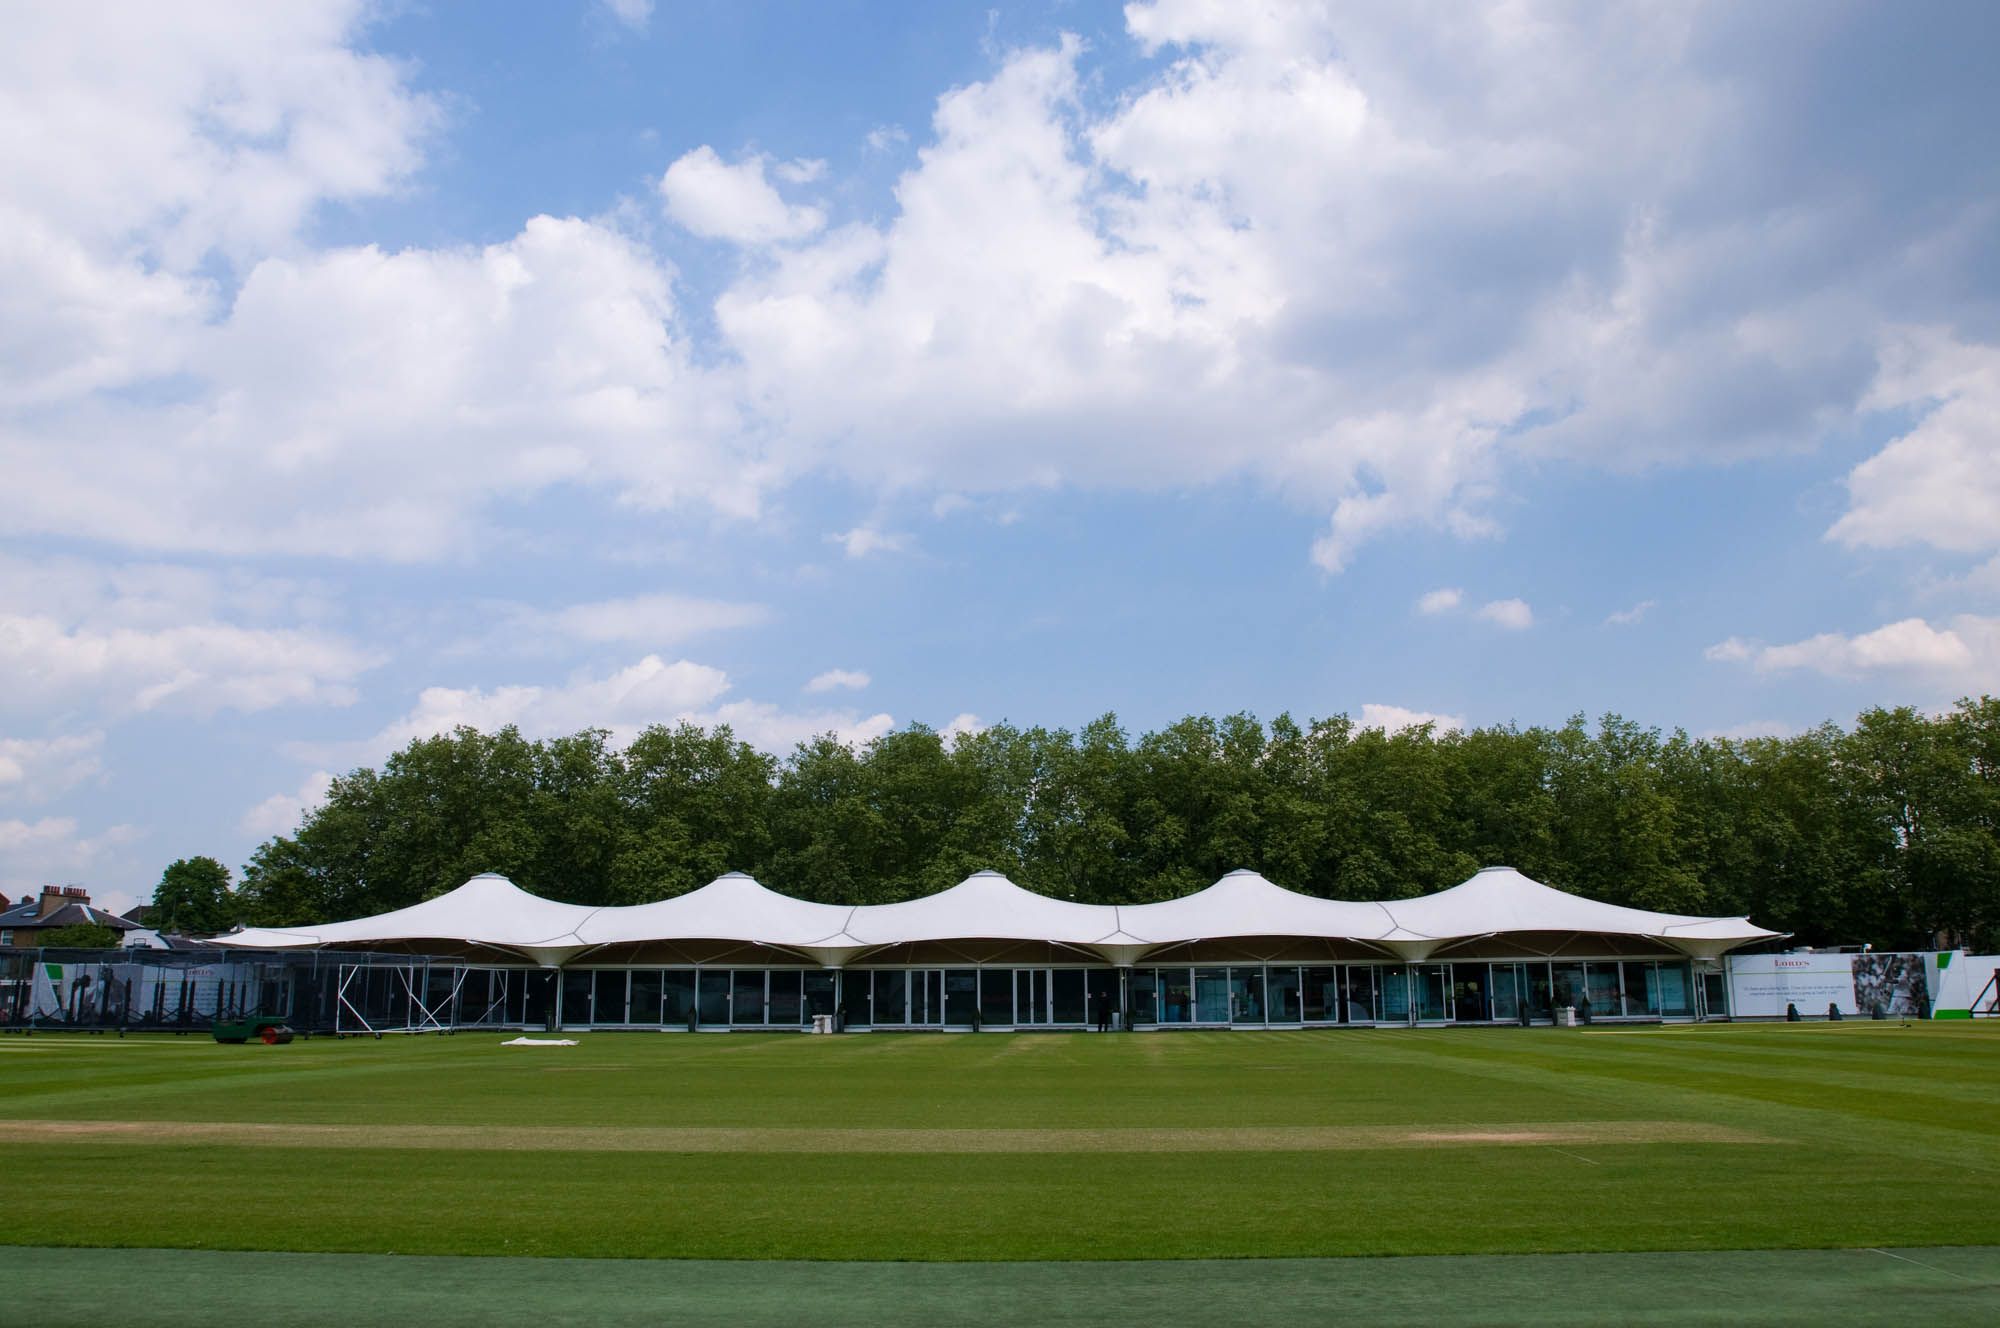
(493,912)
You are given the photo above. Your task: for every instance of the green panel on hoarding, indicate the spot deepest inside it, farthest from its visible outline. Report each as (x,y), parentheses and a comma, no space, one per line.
(1951,1014)
(1944,959)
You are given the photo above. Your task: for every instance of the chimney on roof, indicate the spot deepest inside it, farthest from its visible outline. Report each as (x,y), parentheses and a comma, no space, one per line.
(56,896)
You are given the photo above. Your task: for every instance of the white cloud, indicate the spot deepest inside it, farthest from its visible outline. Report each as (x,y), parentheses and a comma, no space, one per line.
(1512,614)
(722,202)
(1361,257)
(962,725)
(281,813)
(1394,719)
(35,769)
(1443,600)
(862,541)
(125,638)
(645,620)
(1963,655)
(145,144)
(884,138)
(49,851)
(1627,617)
(851,679)
(634,14)
(1939,483)
(771,729)
(650,691)
(202,668)
(624,701)
(369,405)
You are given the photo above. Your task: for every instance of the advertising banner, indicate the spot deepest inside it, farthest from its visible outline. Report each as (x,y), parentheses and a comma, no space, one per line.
(1762,986)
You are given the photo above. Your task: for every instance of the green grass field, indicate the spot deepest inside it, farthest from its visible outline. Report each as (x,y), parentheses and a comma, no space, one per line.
(1030,1147)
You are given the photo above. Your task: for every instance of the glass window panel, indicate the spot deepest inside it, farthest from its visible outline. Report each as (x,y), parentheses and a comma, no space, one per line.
(676,995)
(610,997)
(576,998)
(1676,992)
(1103,990)
(645,996)
(857,999)
(1143,992)
(1566,985)
(712,995)
(517,998)
(927,996)
(784,998)
(1642,993)
(747,996)
(961,996)
(1394,981)
(819,993)
(1031,996)
(1246,995)
(1432,983)
(1211,995)
(996,996)
(1282,988)
(1176,996)
(1506,991)
(892,987)
(1362,997)
(1468,993)
(1538,987)
(1072,1006)
(1321,995)
(1602,985)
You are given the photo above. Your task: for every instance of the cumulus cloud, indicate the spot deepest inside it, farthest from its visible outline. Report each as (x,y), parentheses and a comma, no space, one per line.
(862,541)
(1512,614)
(1361,256)
(1964,654)
(281,813)
(1628,617)
(714,199)
(1443,600)
(34,769)
(624,701)
(50,850)
(656,619)
(1394,719)
(1939,483)
(125,638)
(851,679)
(962,725)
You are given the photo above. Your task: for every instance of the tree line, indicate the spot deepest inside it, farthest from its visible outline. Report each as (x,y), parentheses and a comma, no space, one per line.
(1888,832)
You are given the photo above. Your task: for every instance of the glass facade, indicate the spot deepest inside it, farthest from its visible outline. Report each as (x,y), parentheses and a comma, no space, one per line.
(1214,996)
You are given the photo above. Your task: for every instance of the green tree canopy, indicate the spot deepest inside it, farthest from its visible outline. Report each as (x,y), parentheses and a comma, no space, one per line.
(193,897)
(1889,832)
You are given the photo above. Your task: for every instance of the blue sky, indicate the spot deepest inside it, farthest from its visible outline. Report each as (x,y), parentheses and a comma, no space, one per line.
(369,369)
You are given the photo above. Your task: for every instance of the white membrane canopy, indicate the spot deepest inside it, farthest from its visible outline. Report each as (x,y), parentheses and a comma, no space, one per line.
(986,906)
(487,910)
(491,911)
(732,907)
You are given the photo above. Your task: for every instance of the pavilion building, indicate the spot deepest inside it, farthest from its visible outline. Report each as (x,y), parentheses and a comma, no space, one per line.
(986,954)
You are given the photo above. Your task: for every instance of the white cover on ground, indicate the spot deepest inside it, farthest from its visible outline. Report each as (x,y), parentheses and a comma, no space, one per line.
(491,911)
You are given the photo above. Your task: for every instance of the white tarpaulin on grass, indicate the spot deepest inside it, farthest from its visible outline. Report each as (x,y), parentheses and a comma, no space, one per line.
(491,911)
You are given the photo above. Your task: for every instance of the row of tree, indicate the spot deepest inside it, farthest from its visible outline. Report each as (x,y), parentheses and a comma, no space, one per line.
(1888,832)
